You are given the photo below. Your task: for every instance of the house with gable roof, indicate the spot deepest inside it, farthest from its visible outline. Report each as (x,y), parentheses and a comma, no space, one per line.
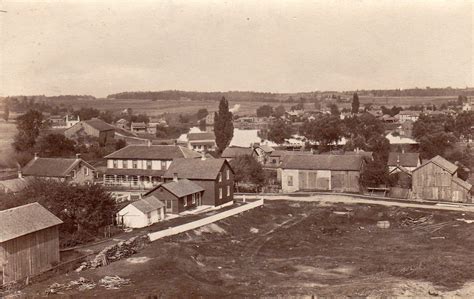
(403,161)
(437,180)
(141,213)
(94,127)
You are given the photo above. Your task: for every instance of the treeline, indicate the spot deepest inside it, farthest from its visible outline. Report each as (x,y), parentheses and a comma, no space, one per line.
(418,92)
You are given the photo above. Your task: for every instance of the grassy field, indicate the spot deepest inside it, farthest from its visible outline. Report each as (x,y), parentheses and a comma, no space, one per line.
(300,249)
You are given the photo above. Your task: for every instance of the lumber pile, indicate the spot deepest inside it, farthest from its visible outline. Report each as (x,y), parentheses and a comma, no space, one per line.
(409,221)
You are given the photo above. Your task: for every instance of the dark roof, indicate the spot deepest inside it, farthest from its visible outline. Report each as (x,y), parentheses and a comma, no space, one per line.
(403,159)
(322,162)
(281,153)
(99,124)
(148,204)
(182,187)
(201,136)
(236,151)
(140,124)
(195,168)
(441,162)
(22,220)
(52,167)
(153,152)
(140,172)
(203,142)
(401,168)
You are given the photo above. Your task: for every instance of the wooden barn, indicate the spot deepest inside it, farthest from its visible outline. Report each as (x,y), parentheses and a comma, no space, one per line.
(437,180)
(29,242)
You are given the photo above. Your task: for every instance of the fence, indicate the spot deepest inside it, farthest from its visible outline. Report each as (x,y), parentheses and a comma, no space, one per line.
(201,222)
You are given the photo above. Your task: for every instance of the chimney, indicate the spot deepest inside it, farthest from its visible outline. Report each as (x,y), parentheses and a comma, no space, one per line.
(398,160)
(36,156)
(403,150)
(175,176)
(78,156)
(20,174)
(148,142)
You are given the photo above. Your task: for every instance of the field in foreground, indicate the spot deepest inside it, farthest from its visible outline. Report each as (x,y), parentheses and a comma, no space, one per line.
(292,249)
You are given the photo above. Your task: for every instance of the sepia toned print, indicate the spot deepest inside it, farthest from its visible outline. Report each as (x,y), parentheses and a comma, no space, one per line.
(176,149)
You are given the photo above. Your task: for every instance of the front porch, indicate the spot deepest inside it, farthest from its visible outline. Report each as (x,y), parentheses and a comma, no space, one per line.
(130,182)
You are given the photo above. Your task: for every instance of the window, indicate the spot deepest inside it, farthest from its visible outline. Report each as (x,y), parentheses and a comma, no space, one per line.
(220,176)
(86,171)
(125,163)
(148,164)
(168,204)
(194,198)
(115,163)
(290,180)
(73,174)
(185,201)
(220,193)
(274,161)
(228,174)
(135,164)
(163,165)
(228,190)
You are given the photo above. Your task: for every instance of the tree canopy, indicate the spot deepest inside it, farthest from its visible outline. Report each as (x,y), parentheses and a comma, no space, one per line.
(248,171)
(264,111)
(355,103)
(29,126)
(279,131)
(325,131)
(223,125)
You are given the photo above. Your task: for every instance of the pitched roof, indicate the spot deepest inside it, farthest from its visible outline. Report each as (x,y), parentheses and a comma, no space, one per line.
(99,124)
(195,168)
(153,152)
(235,151)
(403,159)
(201,136)
(322,162)
(148,204)
(139,124)
(441,162)
(281,153)
(15,185)
(266,148)
(22,220)
(180,188)
(462,183)
(52,167)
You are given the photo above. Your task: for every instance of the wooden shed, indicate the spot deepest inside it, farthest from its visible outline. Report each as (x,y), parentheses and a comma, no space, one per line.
(29,242)
(437,180)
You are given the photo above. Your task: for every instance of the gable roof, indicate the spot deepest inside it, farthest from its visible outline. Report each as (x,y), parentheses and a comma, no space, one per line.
(148,204)
(441,162)
(402,169)
(182,187)
(236,151)
(281,153)
(139,125)
(464,184)
(52,167)
(201,136)
(322,162)
(22,220)
(99,124)
(403,159)
(15,185)
(153,152)
(196,168)
(266,148)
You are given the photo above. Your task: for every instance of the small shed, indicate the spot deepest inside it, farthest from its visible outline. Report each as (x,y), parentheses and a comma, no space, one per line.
(141,213)
(29,242)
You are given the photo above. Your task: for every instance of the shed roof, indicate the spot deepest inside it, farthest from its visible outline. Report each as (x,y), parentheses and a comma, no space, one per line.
(322,162)
(26,219)
(236,151)
(99,124)
(462,183)
(52,167)
(441,162)
(195,168)
(153,152)
(201,136)
(148,204)
(403,159)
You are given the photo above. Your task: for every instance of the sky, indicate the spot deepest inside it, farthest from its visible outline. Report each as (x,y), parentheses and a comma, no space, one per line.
(103,47)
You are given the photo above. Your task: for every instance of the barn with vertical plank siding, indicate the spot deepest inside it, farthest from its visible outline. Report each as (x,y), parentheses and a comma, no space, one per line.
(29,242)
(437,180)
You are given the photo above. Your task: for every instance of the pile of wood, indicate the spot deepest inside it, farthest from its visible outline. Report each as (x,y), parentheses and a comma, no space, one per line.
(115,252)
(408,221)
(81,284)
(113,282)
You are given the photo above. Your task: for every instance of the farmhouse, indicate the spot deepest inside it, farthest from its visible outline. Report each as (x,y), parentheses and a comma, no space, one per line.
(408,161)
(76,171)
(139,127)
(321,172)
(29,241)
(202,141)
(407,115)
(141,213)
(178,195)
(214,175)
(95,128)
(142,166)
(437,180)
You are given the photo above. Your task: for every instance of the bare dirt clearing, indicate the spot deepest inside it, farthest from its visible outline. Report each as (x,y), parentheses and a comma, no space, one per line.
(292,249)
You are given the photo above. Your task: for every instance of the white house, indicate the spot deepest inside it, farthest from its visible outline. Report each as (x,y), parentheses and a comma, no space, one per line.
(141,213)
(407,115)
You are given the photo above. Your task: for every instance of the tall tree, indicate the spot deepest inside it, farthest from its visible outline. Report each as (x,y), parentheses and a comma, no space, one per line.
(325,131)
(334,109)
(264,111)
(29,126)
(355,103)
(202,113)
(55,145)
(6,112)
(279,111)
(223,126)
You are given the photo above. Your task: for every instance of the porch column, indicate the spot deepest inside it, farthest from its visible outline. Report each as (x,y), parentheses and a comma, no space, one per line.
(115,179)
(126,179)
(138,181)
(104,179)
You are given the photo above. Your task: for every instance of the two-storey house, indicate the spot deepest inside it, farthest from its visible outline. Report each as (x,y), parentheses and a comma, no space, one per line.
(142,166)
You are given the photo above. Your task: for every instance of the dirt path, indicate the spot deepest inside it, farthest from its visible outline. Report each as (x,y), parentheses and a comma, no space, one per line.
(357,200)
